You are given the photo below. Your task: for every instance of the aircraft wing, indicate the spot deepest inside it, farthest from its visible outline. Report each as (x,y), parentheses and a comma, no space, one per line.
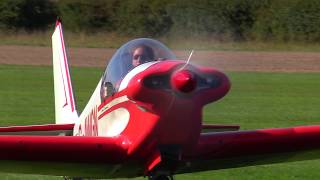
(45,130)
(219,128)
(61,155)
(245,148)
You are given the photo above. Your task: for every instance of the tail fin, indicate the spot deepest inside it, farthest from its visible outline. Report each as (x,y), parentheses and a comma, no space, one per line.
(65,107)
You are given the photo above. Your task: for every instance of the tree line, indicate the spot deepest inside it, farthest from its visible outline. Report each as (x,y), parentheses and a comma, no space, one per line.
(235,20)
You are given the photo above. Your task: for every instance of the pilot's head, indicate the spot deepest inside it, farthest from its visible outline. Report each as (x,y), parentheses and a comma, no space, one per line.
(142,54)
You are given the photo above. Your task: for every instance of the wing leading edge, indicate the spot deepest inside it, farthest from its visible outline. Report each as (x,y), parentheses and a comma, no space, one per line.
(44,130)
(247,148)
(61,155)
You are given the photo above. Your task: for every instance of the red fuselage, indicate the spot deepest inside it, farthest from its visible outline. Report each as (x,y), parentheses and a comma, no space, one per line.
(165,105)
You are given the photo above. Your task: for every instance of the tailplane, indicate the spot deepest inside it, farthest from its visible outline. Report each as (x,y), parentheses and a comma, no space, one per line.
(65,107)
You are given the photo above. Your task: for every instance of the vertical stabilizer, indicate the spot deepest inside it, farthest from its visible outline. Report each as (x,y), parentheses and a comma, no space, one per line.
(65,107)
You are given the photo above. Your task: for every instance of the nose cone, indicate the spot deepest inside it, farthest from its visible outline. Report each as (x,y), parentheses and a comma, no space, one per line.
(183,81)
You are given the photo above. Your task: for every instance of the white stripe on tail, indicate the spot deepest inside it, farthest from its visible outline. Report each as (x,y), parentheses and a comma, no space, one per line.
(65,107)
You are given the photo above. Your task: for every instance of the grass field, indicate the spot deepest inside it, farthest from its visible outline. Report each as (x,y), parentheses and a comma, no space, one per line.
(256,100)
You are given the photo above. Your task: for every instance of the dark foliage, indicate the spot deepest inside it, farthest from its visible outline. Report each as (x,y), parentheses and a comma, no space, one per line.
(88,16)
(28,15)
(239,20)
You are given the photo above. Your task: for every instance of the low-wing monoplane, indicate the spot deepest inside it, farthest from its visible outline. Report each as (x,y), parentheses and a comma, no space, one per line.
(144,118)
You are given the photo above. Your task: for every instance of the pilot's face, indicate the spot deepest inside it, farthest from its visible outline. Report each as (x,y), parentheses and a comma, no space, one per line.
(139,57)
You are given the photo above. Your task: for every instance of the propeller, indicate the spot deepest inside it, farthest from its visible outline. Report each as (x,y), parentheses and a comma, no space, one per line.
(182,81)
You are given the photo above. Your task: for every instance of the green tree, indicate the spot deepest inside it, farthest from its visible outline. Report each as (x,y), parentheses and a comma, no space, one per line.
(88,16)
(27,14)
(144,18)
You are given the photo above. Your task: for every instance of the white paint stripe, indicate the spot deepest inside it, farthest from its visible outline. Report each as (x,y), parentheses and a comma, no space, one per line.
(112,103)
(113,123)
(133,72)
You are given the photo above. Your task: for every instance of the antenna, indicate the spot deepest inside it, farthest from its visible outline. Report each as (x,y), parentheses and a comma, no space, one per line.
(190,55)
(173,97)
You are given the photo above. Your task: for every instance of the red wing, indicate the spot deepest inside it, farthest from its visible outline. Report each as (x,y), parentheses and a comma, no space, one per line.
(61,155)
(47,129)
(246,148)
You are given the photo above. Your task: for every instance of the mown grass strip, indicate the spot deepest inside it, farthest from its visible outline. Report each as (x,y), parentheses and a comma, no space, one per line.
(256,100)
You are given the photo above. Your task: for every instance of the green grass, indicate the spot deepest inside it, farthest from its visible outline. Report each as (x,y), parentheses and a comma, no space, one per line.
(112,40)
(256,100)
(259,100)
(26,92)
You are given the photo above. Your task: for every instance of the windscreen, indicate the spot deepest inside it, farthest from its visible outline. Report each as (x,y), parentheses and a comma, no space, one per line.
(131,55)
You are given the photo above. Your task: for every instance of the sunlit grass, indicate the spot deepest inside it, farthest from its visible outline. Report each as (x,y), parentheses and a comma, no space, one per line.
(256,100)
(260,100)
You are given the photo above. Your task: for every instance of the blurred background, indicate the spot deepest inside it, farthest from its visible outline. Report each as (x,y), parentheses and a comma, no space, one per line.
(204,24)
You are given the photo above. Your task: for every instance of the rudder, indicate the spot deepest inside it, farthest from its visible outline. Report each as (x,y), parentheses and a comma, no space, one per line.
(65,107)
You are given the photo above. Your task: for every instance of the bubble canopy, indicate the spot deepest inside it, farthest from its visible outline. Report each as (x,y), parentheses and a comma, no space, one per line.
(140,50)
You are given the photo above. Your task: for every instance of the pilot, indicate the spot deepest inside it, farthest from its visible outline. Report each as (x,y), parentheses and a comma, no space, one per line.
(139,55)
(142,54)
(106,90)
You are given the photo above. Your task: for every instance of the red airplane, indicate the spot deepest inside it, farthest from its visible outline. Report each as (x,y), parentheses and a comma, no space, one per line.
(144,119)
